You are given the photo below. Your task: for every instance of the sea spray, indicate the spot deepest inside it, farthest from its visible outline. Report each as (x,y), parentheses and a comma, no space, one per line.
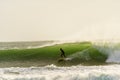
(81,54)
(110,49)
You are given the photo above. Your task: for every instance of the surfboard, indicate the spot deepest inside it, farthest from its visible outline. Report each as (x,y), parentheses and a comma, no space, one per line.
(61,59)
(64,59)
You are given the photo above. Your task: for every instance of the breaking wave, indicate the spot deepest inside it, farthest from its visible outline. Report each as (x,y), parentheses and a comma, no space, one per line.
(77,53)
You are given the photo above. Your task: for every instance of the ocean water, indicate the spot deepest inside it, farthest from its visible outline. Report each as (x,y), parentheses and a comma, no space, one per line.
(52,72)
(25,45)
(88,52)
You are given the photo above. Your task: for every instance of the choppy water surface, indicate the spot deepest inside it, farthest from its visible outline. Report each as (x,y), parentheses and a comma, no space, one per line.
(52,72)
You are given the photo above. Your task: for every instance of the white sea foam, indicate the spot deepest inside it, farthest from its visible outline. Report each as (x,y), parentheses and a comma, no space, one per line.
(52,72)
(110,49)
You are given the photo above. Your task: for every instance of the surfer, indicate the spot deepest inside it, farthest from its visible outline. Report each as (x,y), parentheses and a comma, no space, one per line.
(62,53)
(63,56)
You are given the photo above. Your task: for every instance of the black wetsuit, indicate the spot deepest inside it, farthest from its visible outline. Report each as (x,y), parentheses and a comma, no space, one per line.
(62,53)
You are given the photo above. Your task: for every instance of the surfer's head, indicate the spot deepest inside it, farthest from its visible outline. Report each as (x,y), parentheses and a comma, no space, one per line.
(60,48)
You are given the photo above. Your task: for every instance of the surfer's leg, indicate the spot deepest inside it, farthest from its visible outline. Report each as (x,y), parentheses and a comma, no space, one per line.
(61,55)
(64,56)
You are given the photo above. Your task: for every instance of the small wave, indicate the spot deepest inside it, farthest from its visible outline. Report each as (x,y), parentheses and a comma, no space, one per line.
(26,45)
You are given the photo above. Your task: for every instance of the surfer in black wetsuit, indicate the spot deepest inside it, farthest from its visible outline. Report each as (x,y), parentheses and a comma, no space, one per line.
(62,53)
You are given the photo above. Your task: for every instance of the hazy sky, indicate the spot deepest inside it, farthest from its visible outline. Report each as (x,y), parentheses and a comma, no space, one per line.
(59,20)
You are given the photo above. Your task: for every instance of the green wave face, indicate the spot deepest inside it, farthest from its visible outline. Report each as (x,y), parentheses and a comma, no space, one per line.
(77,53)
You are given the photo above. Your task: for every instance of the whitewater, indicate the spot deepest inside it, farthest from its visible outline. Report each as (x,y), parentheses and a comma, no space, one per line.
(52,72)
